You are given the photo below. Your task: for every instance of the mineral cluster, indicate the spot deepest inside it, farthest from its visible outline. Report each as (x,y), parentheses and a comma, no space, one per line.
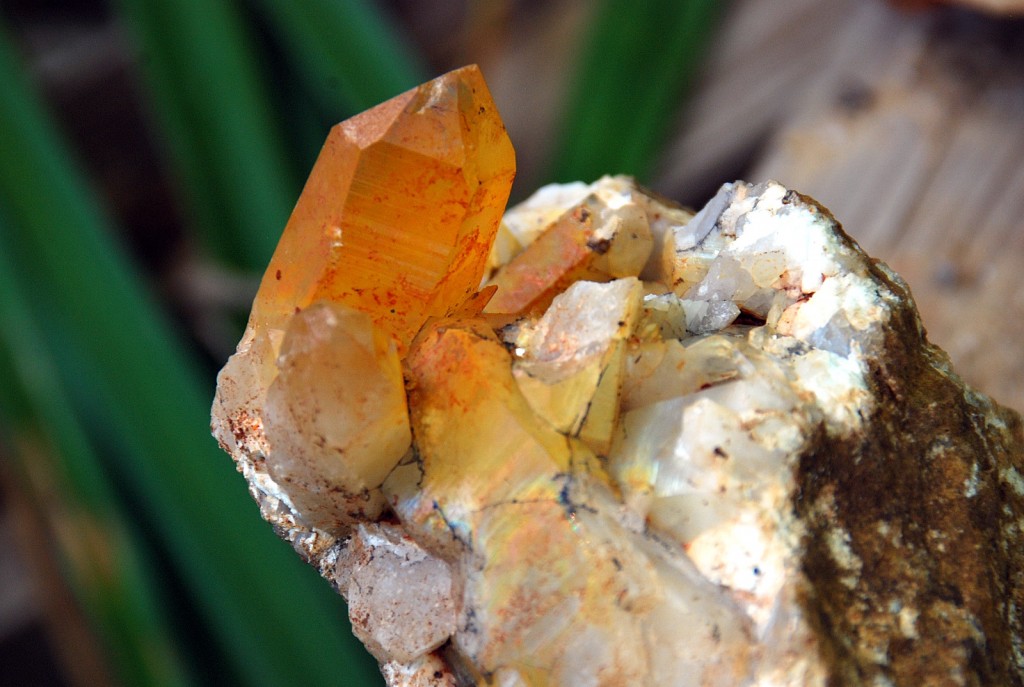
(603,440)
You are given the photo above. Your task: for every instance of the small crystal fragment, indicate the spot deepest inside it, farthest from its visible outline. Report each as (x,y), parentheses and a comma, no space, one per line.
(571,361)
(606,236)
(400,598)
(335,443)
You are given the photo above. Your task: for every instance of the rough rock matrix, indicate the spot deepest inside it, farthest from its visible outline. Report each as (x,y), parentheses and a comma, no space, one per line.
(608,441)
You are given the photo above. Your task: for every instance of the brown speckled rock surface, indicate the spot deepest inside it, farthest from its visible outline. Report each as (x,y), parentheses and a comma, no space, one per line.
(916,527)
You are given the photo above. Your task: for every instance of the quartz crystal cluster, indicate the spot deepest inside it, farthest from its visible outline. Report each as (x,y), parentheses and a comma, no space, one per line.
(602,440)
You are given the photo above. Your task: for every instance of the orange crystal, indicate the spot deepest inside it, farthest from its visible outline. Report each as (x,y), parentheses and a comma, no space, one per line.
(400,210)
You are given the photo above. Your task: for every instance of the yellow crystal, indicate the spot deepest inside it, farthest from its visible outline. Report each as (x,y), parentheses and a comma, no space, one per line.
(462,397)
(596,240)
(571,362)
(399,212)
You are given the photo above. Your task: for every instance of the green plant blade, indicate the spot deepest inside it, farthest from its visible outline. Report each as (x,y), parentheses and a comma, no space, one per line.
(213,108)
(636,62)
(346,50)
(277,621)
(108,571)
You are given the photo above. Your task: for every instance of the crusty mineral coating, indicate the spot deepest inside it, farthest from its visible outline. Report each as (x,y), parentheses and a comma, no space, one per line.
(728,458)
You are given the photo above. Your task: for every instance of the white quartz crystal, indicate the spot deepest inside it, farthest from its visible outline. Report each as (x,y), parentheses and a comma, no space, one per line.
(400,598)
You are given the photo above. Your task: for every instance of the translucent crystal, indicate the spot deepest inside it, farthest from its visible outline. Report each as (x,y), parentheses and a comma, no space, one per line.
(399,212)
(569,364)
(334,443)
(400,598)
(606,236)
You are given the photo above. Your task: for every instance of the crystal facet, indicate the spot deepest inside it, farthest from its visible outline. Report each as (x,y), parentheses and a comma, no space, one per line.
(399,212)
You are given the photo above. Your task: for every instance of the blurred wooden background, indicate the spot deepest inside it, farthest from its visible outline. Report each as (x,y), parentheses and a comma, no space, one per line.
(909,126)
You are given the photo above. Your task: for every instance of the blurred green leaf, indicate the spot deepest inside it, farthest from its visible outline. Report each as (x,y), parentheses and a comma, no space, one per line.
(277,621)
(212,106)
(346,50)
(107,567)
(636,62)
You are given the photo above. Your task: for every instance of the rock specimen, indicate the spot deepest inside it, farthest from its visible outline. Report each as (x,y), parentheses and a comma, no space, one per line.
(607,441)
